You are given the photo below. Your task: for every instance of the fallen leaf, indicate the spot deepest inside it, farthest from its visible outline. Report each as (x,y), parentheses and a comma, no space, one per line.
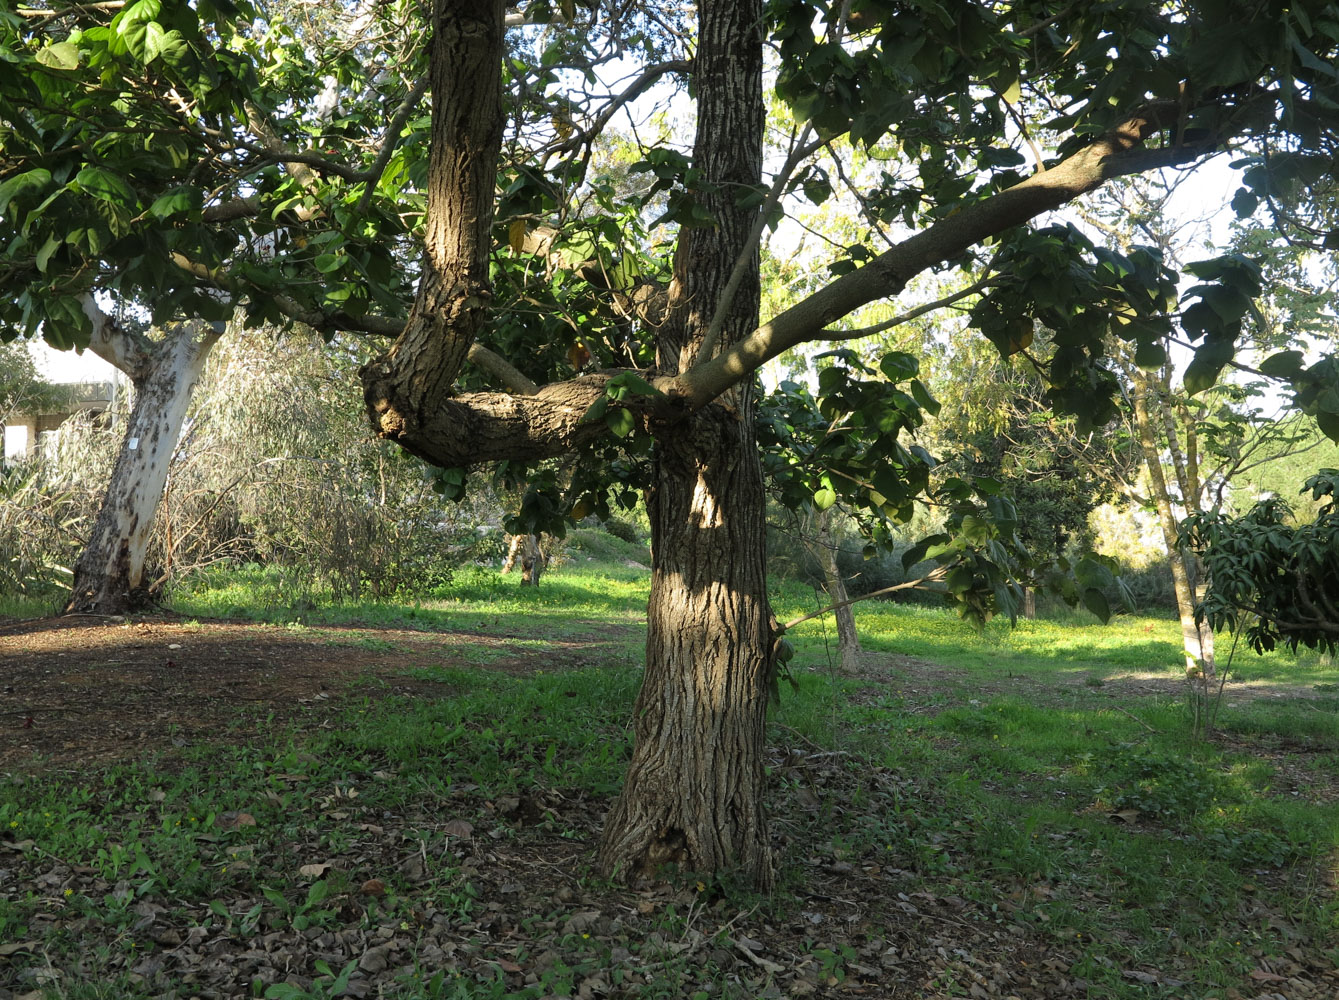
(459,828)
(14,947)
(315,870)
(505,965)
(236,820)
(1125,816)
(373,887)
(1261,976)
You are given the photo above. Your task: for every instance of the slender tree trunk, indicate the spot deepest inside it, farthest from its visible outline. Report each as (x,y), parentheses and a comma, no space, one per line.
(694,788)
(1196,639)
(824,548)
(109,576)
(1029,603)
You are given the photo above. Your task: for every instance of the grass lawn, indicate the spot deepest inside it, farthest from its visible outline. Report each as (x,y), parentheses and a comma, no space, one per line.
(1015,813)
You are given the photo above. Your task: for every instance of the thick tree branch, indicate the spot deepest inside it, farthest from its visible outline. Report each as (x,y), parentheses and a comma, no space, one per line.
(477,427)
(1118,153)
(124,350)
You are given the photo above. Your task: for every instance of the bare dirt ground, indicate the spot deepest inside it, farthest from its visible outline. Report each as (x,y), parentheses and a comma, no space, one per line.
(857,933)
(176,681)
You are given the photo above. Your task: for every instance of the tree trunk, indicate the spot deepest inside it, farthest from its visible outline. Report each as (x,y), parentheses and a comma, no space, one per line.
(824,549)
(514,543)
(1196,638)
(526,550)
(109,576)
(693,794)
(1029,603)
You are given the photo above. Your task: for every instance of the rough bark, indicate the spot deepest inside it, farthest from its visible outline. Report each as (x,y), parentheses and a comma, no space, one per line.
(410,385)
(694,788)
(1196,638)
(109,575)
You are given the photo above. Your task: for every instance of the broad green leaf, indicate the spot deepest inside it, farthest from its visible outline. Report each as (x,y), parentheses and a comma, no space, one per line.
(899,365)
(61,56)
(620,421)
(1096,602)
(34,179)
(1284,364)
(48,248)
(922,395)
(178,201)
(1328,424)
(1209,360)
(1150,355)
(824,498)
(105,185)
(153,41)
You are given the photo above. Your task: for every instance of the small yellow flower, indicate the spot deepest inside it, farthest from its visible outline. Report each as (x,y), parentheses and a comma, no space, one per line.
(69,892)
(13,823)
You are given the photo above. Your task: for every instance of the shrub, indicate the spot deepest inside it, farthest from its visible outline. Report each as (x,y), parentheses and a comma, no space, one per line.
(625,530)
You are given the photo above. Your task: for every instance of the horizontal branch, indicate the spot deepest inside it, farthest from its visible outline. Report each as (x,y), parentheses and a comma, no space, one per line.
(477,427)
(1116,154)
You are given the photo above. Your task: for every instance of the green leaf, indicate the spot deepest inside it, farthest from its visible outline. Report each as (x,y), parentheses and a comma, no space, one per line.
(328,263)
(178,201)
(620,421)
(1209,360)
(48,248)
(105,185)
(1096,602)
(61,56)
(1328,424)
(824,498)
(898,365)
(1150,355)
(630,384)
(595,411)
(34,179)
(922,396)
(1285,364)
(153,41)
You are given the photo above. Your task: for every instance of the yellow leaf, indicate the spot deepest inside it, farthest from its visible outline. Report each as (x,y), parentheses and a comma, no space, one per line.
(1013,92)
(516,235)
(563,126)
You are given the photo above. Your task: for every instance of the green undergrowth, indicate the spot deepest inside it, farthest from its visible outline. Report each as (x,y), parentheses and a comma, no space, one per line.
(1079,815)
(1116,834)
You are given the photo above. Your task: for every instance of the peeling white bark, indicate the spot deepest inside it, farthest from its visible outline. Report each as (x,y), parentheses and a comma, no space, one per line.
(110,574)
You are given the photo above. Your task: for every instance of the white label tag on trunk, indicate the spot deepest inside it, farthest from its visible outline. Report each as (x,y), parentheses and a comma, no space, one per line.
(132,444)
